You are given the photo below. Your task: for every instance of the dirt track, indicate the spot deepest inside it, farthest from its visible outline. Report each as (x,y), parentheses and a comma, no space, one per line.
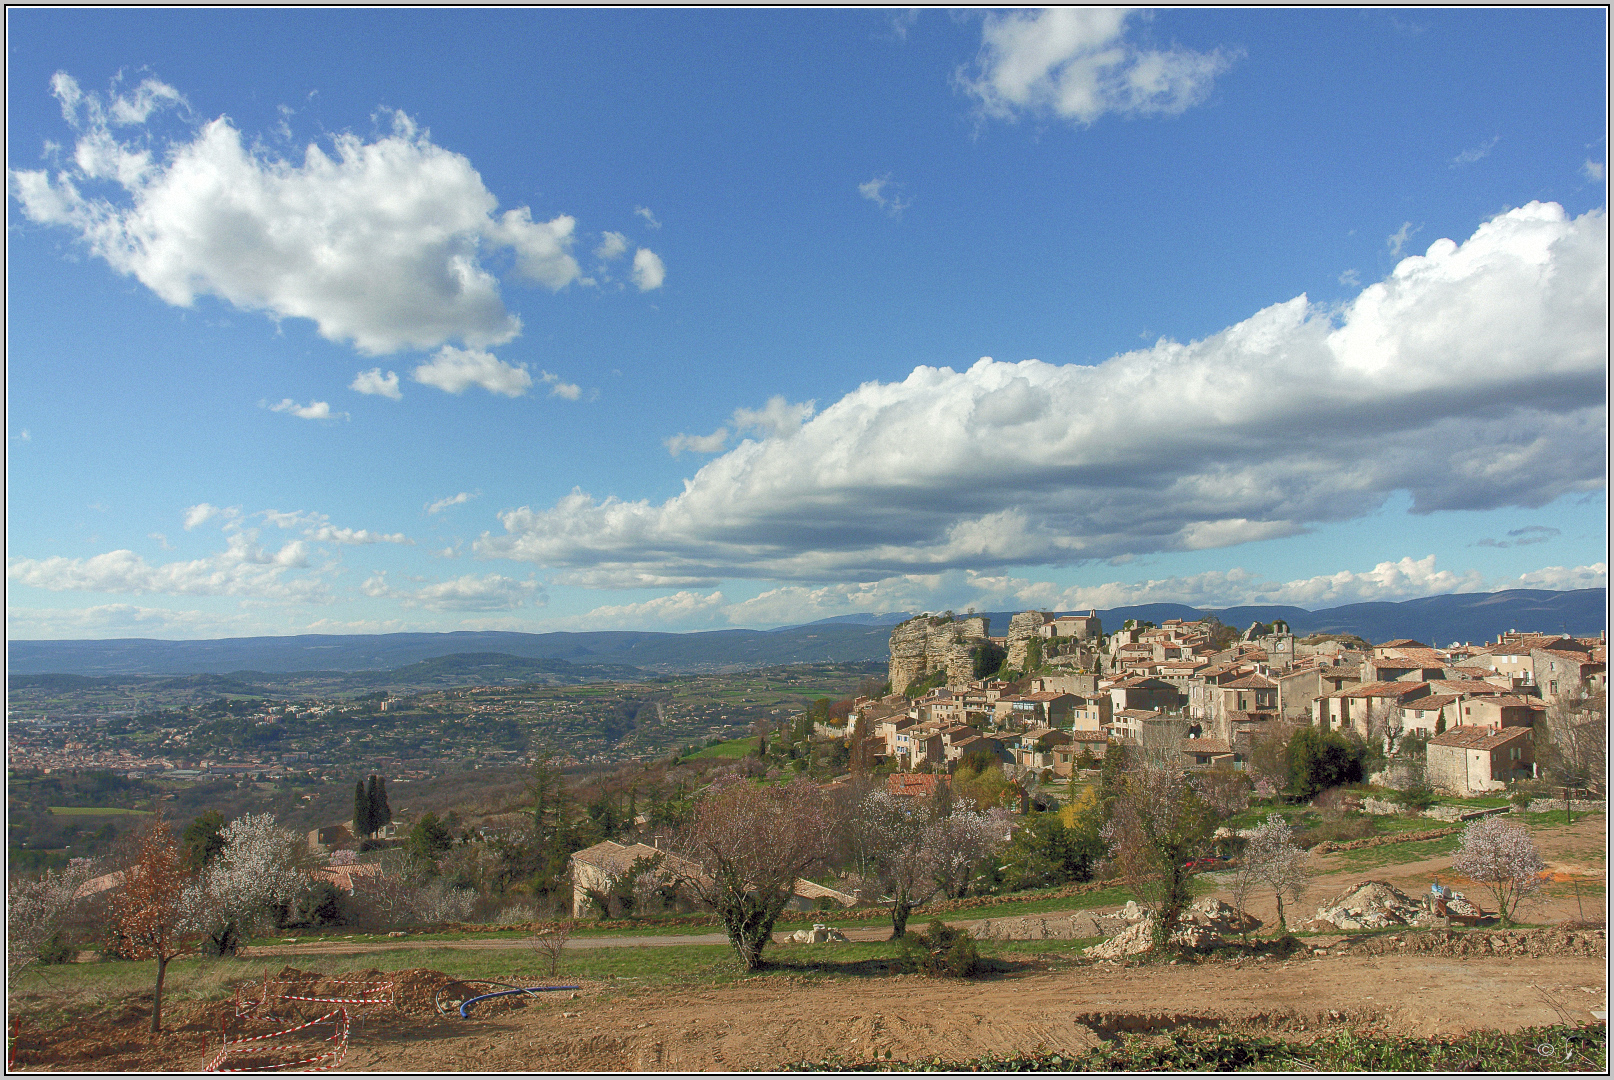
(764,1024)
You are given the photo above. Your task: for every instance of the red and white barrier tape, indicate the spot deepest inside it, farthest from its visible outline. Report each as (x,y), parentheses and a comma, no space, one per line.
(251,1045)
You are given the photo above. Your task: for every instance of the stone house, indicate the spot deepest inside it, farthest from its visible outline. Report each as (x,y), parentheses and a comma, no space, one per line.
(1430,715)
(328,837)
(1500,711)
(1466,761)
(1355,706)
(1042,708)
(1558,671)
(1208,753)
(1144,693)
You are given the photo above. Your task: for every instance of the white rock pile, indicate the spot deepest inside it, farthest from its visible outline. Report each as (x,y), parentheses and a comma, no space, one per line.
(1370,905)
(1204,925)
(818,935)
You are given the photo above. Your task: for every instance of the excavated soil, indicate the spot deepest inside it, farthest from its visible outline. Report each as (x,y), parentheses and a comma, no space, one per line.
(770,1021)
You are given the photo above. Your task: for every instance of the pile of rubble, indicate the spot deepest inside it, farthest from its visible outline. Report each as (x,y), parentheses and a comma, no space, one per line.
(1204,925)
(818,935)
(1373,905)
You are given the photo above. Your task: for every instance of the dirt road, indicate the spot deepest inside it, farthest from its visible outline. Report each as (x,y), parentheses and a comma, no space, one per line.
(764,1024)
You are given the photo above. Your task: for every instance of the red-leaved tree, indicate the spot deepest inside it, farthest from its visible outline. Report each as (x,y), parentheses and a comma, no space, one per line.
(154,910)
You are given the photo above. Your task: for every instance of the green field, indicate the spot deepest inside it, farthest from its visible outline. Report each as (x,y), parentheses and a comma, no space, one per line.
(93,811)
(733,749)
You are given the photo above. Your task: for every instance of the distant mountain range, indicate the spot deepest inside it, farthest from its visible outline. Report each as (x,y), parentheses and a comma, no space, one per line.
(1433,620)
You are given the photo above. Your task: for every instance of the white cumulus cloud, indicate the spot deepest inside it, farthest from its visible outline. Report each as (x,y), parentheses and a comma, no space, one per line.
(1077,63)
(612,246)
(373,382)
(560,388)
(1472,377)
(314,410)
(244,568)
(378,242)
(648,272)
(457,370)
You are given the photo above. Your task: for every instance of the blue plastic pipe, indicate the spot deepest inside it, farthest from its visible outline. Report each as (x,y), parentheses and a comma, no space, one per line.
(468,1002)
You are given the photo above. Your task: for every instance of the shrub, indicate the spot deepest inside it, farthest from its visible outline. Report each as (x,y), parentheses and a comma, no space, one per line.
(56,949)
(942,951)
(1418,796)
(1323,759)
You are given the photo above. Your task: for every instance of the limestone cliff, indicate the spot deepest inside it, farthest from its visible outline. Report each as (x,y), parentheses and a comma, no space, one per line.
(1022,628)
(931,643)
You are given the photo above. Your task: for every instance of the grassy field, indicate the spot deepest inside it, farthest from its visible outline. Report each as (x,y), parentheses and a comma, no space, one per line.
(731,750)
(94,811)
(1388,854)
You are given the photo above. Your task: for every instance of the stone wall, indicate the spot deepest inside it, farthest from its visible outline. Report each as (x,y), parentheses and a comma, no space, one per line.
(931,643)
(1022,628)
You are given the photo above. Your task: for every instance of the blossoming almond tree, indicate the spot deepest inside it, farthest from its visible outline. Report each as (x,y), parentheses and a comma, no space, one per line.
(1504,859)
(257,868)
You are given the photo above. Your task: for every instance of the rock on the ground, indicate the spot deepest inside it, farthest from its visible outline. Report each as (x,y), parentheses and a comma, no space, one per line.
(1204,924)
(818,935)
(1371,905)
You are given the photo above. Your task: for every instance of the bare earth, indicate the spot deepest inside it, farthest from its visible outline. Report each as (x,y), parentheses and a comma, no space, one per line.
(761,1026)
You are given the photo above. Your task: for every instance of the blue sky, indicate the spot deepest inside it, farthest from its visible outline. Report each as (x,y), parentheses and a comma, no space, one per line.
(365,321)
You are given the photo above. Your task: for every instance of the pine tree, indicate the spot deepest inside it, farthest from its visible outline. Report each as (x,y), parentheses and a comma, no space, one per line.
(361,811)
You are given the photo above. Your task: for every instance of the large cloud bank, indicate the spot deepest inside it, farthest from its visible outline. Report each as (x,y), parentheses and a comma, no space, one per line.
(1472,377)
(381,243)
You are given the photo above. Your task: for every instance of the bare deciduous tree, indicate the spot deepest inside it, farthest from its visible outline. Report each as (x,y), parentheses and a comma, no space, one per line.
(549,941)
(1272,860)
(1158,825)
(1573,739)
(1503,858)
(750,844)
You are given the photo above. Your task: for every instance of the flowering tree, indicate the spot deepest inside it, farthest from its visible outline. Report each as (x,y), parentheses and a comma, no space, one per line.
(257,868)
(748,844)
(35,908)
(914,849)
(1502,858)
(1272,860)
(155,912)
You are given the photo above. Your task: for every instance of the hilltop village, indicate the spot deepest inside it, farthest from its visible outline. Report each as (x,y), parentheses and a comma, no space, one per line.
(1054,692)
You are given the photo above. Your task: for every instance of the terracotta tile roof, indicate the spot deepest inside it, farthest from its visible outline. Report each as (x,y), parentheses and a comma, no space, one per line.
(1433,701)
(1474,738)
(911,784)
(1472,687)
(1088,736)
(1206,746)
(1565,654)
(1401,643)
(1380,689)
(1251,682)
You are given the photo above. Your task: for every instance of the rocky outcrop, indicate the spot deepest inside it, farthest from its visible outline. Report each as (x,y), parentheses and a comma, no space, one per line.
(930,643)
(1022,628)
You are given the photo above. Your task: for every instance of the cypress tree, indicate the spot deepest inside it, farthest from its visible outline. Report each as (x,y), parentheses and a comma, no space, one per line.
(383,810)
(374,811)
(361,811)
